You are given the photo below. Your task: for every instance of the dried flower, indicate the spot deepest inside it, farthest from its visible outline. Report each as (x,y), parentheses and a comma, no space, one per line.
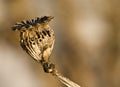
(37,39)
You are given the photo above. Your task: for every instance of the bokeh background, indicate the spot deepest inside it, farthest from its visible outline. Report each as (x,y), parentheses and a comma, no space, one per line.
(87,47)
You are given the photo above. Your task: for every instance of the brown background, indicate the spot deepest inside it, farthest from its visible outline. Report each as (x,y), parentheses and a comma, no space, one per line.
(87,47)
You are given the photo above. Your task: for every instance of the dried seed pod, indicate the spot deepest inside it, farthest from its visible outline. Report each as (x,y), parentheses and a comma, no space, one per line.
(36,37)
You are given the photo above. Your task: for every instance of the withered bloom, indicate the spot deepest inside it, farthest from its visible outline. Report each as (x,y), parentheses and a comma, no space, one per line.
(37,38)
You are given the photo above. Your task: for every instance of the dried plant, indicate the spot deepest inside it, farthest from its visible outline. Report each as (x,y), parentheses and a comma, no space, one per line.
(37,39)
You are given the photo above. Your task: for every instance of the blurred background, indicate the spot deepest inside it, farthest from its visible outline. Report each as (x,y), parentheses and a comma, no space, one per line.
(87,47)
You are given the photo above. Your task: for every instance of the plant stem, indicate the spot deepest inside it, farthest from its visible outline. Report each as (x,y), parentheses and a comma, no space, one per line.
(64,80)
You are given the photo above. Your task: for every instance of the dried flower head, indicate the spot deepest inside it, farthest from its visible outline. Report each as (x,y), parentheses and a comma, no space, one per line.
(37,38)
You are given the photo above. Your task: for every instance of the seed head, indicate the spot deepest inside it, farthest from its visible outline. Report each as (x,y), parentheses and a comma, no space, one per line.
(36,37)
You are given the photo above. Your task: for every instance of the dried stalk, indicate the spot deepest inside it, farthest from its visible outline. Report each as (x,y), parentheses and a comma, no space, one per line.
(65,80)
